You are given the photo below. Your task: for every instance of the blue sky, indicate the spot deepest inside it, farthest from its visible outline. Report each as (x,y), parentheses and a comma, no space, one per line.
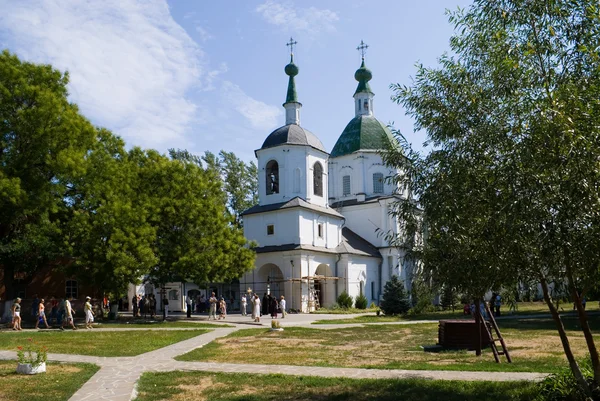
(208,75)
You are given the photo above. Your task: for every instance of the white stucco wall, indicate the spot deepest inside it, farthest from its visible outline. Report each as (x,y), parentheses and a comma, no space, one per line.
(292,158)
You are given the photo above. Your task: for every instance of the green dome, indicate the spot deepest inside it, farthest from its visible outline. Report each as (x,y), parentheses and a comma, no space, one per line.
(363,133)
(291,69)
(363,75)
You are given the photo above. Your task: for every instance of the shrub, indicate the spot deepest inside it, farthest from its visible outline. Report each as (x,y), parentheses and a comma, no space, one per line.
(449,298)
(372,306)
(563,386)
(360,302)
(344,300)
(395,300)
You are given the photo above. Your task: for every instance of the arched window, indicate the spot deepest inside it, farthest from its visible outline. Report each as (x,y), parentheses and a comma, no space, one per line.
(378,183)
(318,179)
(346,185)
(272,176)
(71,289)
(297,175)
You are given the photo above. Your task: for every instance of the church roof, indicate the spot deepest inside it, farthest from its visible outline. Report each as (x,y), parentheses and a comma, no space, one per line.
(292,203)
(351,243)
(363,132)
(293,134)
(356,245)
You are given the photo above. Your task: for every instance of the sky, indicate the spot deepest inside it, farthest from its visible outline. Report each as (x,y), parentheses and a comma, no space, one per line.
(208,75)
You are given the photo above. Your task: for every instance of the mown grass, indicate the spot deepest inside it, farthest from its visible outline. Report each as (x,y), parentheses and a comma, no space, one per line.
(246,387)
(59,382)
(523,308)
(158,325)
(97,342)
(533,344)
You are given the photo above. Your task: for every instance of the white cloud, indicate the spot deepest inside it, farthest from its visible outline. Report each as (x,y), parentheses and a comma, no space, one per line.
(204,34)
(130,63)
(286,16)
(260,115)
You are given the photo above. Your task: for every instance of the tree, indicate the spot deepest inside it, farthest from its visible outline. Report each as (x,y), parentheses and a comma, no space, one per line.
(395,300)
(510,192)
(43,141)
(110,231)
(196,239)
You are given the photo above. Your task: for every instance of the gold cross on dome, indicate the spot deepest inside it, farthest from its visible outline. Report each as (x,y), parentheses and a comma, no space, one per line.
(362,48)
(291,44)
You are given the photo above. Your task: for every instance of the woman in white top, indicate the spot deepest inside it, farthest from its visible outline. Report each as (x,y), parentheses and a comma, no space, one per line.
(89,315)
(16,314)
(256,308)
(244,304)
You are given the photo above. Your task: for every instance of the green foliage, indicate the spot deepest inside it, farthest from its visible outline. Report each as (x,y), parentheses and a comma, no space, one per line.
(43,142)
(395,300)
(422,296)
(70,192)
(361,302)
(509,193)
(563,386)
(344,300)
(449,298)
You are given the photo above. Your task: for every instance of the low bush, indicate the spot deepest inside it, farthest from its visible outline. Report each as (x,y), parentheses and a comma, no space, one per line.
(563,386)
(360,302)
(395,300)
(344,300)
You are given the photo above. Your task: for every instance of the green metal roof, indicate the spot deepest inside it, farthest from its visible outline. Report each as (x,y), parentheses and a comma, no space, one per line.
(291,70)
(362,133)
(363,75)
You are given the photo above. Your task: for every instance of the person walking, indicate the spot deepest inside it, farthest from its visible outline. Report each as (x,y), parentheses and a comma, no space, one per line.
(41,315)
(134,303)
(223,309)
(34,306)
(265,305)
(273,307)
(189,307)
(152,305)
(282,306)
(16,314)
(89,315)
(244,304)
(256,308)
(497,304)
(68,316)
(166,306)
(141,301)
(213,306)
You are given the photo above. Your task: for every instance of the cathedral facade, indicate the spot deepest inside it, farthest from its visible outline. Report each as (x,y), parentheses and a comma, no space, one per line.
(321,215)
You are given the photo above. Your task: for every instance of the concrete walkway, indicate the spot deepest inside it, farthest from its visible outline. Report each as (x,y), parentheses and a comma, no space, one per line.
(116,380)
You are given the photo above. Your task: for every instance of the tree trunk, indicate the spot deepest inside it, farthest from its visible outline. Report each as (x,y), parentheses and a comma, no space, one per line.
(585,327)
(565,340)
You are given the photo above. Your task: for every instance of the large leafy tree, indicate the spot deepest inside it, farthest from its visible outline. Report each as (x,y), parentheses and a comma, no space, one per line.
(510,191)
(110,233)
(197,240)
(43,141)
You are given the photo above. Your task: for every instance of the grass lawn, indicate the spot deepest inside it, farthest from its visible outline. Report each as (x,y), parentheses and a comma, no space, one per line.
(342,311)
(97,342)
(534,346)
(238,387)
(59,382)
(523,308)
(158,325)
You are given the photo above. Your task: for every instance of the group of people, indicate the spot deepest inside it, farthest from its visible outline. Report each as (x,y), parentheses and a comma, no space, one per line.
(494,304)
(144,305)
(61,311)
(269,305)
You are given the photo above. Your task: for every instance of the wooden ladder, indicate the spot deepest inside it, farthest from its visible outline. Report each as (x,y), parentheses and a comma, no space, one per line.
(499,337)
(316,299)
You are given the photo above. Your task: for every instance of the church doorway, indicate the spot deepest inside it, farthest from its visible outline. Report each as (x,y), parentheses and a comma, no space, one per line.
(269,280)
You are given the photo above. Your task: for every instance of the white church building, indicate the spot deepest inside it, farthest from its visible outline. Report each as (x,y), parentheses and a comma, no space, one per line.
(320,215)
